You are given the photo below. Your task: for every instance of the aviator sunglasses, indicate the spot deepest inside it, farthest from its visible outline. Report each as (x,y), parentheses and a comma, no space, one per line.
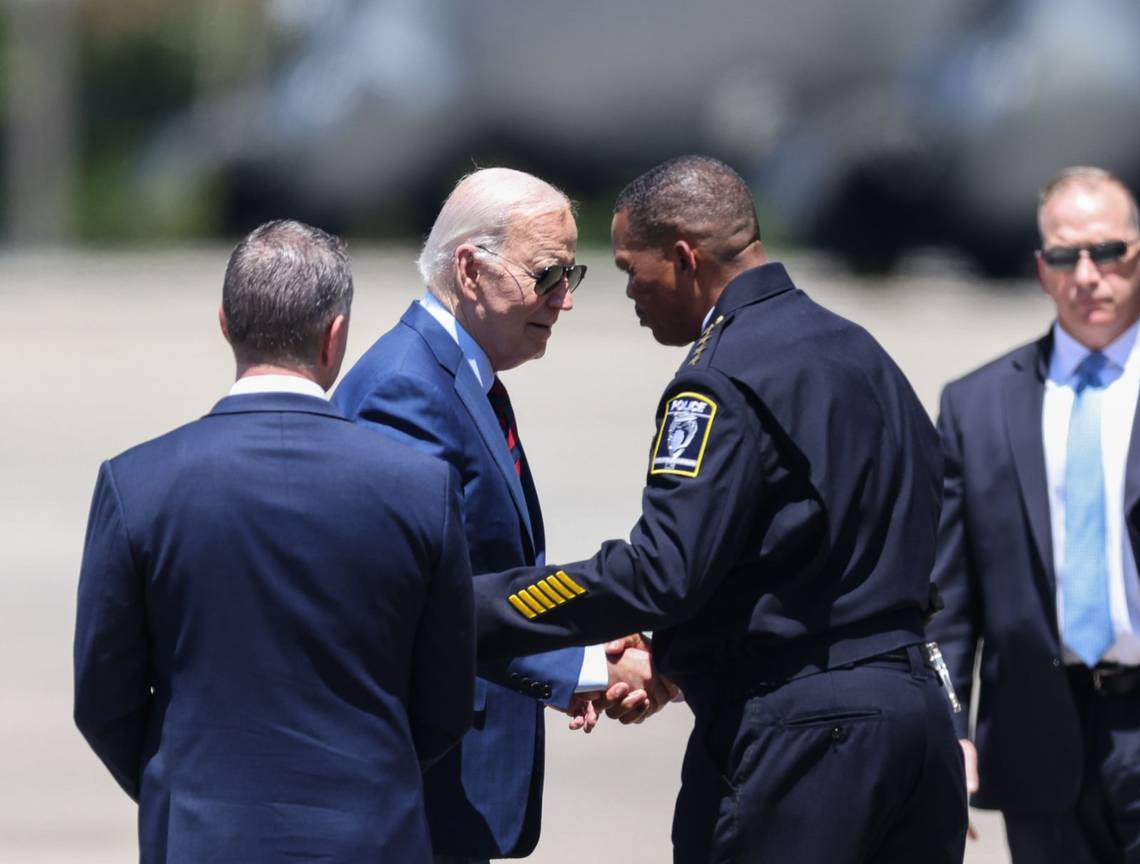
(1066,257)
(547,279)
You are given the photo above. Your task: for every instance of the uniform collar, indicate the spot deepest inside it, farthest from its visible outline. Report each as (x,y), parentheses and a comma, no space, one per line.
(752,286)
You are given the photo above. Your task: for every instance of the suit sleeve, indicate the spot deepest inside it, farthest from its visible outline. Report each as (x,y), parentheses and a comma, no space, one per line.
(560,670)
(113,695)
(698,506)
(412,410)
(956,627)
(443,662)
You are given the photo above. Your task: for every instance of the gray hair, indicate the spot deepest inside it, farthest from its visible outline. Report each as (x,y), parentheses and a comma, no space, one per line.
(480,211)
(1084,177)
(284,284)
(696,196)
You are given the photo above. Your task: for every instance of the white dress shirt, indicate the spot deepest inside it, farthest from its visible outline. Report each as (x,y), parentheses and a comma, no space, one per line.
(277,384)
(1121,377)
(594,674)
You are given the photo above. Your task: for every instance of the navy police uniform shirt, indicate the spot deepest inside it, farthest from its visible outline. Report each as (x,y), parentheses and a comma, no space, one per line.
(789,513)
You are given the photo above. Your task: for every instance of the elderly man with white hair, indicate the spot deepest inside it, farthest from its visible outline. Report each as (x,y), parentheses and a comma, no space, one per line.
(499,265)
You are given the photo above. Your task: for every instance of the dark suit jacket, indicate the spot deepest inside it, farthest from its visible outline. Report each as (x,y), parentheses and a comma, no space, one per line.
(273,623)
(995,571)
(485,798)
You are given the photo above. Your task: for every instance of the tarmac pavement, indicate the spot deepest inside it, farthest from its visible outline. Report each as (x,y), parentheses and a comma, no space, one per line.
(106,349)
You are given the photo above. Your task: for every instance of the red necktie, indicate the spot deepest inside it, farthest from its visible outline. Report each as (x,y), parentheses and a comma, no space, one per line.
(501,402)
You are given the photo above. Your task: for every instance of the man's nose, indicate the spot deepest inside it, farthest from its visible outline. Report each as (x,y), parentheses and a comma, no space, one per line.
(561,297)
(1086,273)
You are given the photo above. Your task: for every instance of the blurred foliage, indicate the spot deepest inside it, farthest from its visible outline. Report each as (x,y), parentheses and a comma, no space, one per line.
(3,114)
(141,63)
(130,81)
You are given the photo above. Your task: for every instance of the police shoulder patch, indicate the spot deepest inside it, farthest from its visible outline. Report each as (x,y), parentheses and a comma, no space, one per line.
(684,433)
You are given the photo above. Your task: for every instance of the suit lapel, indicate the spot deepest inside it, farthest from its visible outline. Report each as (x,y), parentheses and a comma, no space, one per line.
(474,400)
(1024,395)
(483,415)
(538,532)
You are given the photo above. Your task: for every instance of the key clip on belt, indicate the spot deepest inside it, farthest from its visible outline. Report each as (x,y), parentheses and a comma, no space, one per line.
(934,659)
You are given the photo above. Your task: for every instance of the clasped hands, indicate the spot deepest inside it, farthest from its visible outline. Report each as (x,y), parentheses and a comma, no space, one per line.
(636,689)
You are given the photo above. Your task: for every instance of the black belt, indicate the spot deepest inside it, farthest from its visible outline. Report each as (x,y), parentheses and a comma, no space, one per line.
(745,681)
(1109,679)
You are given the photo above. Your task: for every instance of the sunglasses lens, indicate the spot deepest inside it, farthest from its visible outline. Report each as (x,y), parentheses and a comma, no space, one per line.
(548,280)
(1061,257)
(1109,252)
(575,275)
(1066,257)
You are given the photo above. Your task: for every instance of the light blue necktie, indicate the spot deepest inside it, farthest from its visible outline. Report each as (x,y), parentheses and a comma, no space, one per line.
(1084,580)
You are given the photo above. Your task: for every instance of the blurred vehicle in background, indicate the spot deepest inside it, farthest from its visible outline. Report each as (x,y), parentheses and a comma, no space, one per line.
(866,128)
(954,151)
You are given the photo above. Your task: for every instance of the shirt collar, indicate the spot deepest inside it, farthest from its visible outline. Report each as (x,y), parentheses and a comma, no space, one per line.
(277,384)
(475,356)
(1123,353)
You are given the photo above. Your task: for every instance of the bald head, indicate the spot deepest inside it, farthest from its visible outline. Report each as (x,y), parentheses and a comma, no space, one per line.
(480,211)
(695,197)
(1089,181)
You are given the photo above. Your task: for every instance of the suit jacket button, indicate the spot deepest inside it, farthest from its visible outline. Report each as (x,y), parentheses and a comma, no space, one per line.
(1056,662)
(536,688)
(546,692)
(515,676)
(838,733)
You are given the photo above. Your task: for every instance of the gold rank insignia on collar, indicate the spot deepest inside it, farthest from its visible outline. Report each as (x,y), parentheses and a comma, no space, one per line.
(699,348)
(545,594)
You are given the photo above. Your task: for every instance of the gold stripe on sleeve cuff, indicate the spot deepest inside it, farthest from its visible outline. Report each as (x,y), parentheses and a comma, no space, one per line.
(569,583)
(522,607)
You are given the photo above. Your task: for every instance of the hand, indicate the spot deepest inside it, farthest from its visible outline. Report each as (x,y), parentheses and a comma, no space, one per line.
(583,714)
(970,757)
(636,689)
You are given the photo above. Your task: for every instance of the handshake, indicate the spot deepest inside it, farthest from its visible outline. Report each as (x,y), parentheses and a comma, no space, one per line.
(636,690)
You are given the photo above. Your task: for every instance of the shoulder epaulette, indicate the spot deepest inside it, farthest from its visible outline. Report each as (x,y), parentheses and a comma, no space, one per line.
(702,343)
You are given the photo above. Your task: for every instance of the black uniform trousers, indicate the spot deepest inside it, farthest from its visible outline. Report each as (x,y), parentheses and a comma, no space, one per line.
(821,770)
(1103,827)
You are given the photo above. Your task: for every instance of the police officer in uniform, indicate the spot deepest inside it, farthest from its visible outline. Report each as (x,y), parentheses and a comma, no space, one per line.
(782,556)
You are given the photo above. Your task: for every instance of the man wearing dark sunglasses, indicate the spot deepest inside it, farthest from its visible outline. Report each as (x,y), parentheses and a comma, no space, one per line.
(1039,538)
(500,269)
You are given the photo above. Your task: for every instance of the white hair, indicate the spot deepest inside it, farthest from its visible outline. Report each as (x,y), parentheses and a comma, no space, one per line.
(479,211)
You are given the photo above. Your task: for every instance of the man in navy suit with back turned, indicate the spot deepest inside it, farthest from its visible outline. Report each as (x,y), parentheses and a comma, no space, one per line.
(500,268)
(274,624)
(1038,543)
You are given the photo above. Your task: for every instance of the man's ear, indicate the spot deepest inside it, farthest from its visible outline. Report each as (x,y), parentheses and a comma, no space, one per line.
(467,268)
(333,345)
(222,322)
(1042,274)
(685,257)
(335,341)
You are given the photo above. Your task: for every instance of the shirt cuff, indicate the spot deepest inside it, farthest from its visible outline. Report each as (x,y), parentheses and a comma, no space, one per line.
(595,673)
